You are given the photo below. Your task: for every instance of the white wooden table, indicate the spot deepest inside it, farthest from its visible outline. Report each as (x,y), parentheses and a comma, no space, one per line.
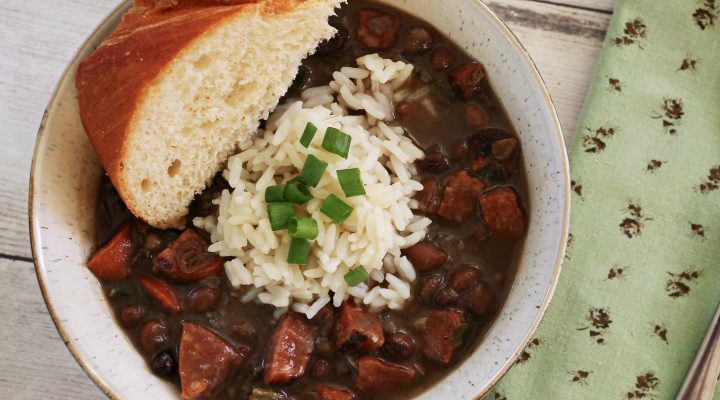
(38,38)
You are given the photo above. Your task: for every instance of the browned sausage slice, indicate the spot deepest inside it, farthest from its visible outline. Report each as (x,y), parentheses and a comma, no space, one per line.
(378,30)
(187,259)
(206,361)
(334,393)
(438,337)
(379,376)
(469,79)
(358,329)
(162,292)
(289,351)
(502,214)
(112,262)
(460,197)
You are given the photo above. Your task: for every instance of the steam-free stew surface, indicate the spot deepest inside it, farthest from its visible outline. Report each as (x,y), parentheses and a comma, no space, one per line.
(173,298)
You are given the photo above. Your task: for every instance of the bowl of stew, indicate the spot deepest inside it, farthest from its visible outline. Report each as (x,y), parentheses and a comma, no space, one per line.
(493,293)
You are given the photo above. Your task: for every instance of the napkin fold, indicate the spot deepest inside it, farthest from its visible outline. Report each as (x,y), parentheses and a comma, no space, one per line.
(641,279)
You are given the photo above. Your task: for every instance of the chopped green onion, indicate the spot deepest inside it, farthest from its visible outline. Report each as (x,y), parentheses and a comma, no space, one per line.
(312,171)
(274,194)
(336,209)
(356,276)
(299,251)
(303,228)
(351,182)
(460,333)
(337,142)
(308,134)
(297,193)
(293,180)
(279,214)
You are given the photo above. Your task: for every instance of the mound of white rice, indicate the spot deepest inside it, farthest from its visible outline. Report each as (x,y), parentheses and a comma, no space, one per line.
(381,225)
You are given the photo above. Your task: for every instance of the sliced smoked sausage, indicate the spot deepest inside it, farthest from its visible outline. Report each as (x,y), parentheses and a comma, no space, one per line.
(205,362)
(290,350)
(188,259)
(358,329)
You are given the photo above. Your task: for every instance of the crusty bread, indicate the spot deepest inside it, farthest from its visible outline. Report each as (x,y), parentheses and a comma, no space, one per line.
(168,96)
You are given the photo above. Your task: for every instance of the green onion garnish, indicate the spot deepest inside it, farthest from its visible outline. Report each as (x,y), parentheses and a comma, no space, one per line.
(460,333)
(336,209)
(303,228)
(351,182)
(297,193)
(308,134)
(299,251)
(274,194)
(356,276)
(312,171)
(279,214)
(337,142)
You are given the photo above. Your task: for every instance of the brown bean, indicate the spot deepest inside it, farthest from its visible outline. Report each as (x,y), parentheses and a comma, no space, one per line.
(154,335)
(132,314)
(399,346)
(417,40)
(505,149)
(426,256)
(164,363)
(434,162)
(377,29)
(446,298)
(476,116)
(443,58)
(460,150)
(203,298)
(463,278)
(244,330)
(430,287)
(479,299)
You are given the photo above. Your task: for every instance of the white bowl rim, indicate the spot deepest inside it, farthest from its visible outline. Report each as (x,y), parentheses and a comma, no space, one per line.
(35,227)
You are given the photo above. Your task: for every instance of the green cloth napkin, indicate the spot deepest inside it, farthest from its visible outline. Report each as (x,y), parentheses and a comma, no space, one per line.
(641,279)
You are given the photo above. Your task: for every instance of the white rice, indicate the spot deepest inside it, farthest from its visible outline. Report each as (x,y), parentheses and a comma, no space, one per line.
(382,222)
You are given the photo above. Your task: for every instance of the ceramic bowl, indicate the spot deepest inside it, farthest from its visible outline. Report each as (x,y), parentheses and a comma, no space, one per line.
(66,173)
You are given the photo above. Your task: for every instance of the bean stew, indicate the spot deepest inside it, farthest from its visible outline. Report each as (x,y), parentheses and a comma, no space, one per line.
(171,295)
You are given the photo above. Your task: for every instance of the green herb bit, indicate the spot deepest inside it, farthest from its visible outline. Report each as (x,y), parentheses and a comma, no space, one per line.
(275,194)
(351,182)
(336,209)
(356,276)
(279,215)
(303,228)
(297,193)
(308,134)
(460,333)
(299,251)
(337,142)
(312,171)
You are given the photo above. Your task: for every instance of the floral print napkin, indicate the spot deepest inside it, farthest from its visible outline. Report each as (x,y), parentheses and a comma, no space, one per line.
(641,279)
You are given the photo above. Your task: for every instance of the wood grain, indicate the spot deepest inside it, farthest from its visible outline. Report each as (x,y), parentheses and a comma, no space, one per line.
(34,362)
(38,38)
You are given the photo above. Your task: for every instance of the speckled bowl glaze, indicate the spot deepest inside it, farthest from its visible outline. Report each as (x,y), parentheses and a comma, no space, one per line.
(66,173)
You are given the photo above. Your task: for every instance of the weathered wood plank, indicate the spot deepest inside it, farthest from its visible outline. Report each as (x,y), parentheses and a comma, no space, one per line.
(564,43)
(606,6)
(34,362)
(37,40)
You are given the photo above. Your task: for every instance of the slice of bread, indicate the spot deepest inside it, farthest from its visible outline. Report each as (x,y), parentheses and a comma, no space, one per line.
(169,95)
